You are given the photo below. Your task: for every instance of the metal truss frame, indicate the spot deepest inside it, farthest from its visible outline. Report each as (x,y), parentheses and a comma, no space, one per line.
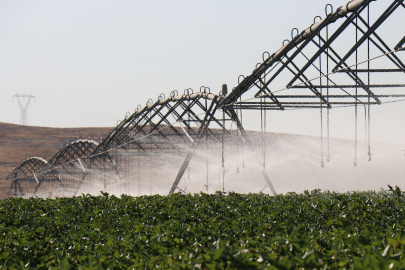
(68,161)
(157,119)
(355,16)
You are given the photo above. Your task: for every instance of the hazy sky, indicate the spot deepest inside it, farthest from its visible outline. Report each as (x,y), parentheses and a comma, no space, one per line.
(89,62)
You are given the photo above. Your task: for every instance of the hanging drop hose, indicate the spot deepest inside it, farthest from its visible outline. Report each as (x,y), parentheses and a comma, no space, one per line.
(261,123)
(243,143)
(365,129)
(223,149)
(327,86)
(206,146)
(261,127)
(369,143)
(223,141)
(189,131)
(237,144)
(265,137)
(320,102)
(264,127)
(355,111)
(139,167)
(355,131)
(368,74)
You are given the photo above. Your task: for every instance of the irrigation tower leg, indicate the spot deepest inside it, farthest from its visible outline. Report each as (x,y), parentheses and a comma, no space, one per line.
(15,185)
(60,181)
(20,189)
(119,177)
(235,118)
(269,184)
(37,187)
(80,184)
(201,131)
(181,171)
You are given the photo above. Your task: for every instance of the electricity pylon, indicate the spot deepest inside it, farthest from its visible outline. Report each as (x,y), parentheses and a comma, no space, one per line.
(24,107)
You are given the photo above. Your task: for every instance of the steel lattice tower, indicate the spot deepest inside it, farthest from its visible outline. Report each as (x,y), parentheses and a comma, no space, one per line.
(24,107)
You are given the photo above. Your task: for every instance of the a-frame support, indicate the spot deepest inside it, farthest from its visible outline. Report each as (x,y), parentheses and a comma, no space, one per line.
(16,186)
(86,173)
(201,131)
(207,119)
(235,118)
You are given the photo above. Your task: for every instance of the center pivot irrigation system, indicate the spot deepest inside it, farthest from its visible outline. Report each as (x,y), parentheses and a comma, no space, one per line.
(349,58)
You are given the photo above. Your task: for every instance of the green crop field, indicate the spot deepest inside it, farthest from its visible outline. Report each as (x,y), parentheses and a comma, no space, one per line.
(314,230)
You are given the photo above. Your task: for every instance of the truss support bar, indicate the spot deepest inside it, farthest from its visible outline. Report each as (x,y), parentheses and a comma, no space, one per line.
(270,94)
(188,135)
(291,58)
(400,44)
(330,96)
(328,42)
(235,119)
(170,111)
(396,60)
(354,86)
(81,165)
(309,84)
(348,72)
(371,30)
(36,179)
(352,6)
(179,117)
(275,107)
(304,103)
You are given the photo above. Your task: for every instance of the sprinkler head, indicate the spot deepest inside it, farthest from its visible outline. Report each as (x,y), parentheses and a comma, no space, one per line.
(224,90)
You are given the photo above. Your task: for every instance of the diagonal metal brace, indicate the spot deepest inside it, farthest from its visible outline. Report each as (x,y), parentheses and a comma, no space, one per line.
(235,118)
(400,44)
(201,131)
(380,20)
(329,41)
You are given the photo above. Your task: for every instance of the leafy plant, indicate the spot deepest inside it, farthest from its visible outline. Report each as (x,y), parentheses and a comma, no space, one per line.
(396,192)
(317,229)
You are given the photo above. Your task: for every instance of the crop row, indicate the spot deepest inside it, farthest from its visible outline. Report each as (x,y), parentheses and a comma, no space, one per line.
(245,231)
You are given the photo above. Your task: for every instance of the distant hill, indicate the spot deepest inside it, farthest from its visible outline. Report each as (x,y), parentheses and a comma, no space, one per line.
(19,142)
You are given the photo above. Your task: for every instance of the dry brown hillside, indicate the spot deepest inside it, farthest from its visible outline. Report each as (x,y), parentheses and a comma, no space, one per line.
(19,142)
